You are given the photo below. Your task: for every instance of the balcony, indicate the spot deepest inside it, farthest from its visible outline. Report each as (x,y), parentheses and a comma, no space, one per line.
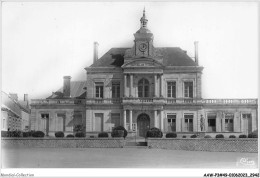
(104,101)
(57,101)
(147,100)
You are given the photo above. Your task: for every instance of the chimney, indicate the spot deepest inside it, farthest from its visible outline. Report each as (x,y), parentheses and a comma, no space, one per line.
(95,51)
(66,86)
(196,52)
(25,98)
(14,96)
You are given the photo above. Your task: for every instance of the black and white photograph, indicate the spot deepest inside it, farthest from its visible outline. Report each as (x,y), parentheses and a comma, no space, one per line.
(129,89)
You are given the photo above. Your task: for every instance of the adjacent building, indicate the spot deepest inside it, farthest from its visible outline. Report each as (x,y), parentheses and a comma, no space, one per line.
(15,114)
(139,88)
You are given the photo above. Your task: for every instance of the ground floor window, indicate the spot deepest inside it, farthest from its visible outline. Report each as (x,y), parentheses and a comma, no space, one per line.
(246,123)
(212,122)
(229,122)
(171,121)
(115,119)
(188,122)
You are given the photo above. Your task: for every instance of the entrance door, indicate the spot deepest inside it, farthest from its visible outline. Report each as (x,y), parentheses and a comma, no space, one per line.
(143,124)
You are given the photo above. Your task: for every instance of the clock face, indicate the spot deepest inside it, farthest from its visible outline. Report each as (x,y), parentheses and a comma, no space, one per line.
(142,47)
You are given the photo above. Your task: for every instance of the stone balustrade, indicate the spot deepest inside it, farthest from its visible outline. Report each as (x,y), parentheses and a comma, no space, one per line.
(145,100)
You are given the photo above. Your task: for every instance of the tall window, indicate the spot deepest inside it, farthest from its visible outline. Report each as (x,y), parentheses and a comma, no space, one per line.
(115,119)
(188,122)
(188,89)
(212,122)
(229,122)
(143,88)
(171,120)
(115,89)
(99,89)
(171,89)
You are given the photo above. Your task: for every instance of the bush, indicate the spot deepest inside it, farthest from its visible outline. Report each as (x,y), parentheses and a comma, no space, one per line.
(232,136)
(103,135)
(78,128)
(70,136)
(184,136)
(38,134)
(80,134)
(59,134)
(252,135)
(207,136)
(219,136)
(171,135)
(4,133)
(242,136)
(193,136)
(26,134)
(117,133)
(119,128)
(16,133)
(154,132)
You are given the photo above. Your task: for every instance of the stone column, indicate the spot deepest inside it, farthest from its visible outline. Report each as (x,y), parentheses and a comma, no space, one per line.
(161,85)
(162,129)
(131,119)
(155,119)
(155,85)
(124,122)
(125,84)
(131,86)
(223,123)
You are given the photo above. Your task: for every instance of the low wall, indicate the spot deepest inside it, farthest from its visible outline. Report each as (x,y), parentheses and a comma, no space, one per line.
(249,145)
(63,142)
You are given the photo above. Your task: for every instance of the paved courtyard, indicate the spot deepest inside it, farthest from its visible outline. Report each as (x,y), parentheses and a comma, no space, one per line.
(118,158)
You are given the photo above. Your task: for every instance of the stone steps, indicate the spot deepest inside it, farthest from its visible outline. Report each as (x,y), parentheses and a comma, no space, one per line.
(136,144)
(138,147)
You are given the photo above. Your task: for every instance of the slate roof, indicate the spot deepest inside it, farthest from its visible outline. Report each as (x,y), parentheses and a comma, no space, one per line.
(10,104)
(76,91)
(113,58)
(172,56)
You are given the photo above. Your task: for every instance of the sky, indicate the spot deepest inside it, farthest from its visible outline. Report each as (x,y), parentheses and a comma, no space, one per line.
(44,41)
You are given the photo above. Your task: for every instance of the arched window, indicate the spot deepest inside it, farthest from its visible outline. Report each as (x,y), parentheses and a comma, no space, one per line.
(143,88)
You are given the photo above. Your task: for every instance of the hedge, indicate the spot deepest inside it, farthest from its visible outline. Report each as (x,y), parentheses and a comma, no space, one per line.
(115,131)
(103,135)
(80,134)
(38,134)
(154,132)
(242,136)
(70,136)
(171,135)
(219,136)
(59,134)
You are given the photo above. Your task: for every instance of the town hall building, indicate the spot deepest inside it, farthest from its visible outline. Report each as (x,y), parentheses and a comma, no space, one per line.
(140,88)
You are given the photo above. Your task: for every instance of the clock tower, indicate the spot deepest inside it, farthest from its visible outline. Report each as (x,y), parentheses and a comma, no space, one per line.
(143,39)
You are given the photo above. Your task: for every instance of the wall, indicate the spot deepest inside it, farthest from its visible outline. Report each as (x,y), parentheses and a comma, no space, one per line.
(63,143)
(25,120)
(107,125)
(217,145)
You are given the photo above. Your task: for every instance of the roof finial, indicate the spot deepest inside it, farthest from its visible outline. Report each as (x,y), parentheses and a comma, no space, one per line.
(143,20)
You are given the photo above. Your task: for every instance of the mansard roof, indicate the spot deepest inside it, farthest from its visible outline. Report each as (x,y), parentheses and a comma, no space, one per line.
(172,56)
(76,91)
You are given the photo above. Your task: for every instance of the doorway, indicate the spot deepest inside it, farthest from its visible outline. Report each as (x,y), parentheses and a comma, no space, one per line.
(143,125)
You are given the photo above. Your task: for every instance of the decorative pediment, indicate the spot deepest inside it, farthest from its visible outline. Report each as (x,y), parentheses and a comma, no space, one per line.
(142,63)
